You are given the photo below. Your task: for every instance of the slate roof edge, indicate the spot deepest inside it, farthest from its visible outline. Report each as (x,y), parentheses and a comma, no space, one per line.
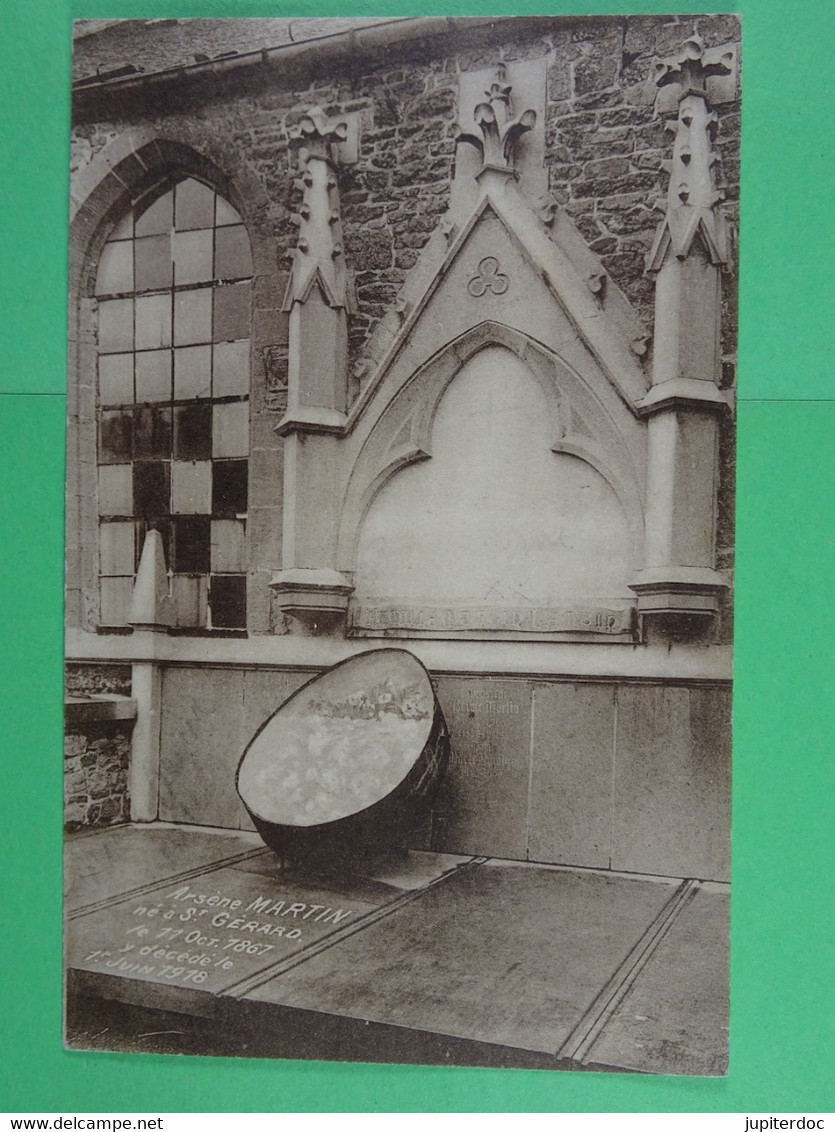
(353,43)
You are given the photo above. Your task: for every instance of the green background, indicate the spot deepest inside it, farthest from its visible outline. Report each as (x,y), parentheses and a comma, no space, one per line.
(782,1038)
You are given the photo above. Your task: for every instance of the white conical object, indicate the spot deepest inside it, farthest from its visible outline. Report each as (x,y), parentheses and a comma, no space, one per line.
(151,606)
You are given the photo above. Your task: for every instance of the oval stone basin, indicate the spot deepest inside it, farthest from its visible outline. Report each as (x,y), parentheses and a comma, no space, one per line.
(349,762)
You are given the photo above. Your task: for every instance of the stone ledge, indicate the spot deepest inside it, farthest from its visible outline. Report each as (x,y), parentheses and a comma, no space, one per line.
(684,662)
(98,709)
(683,393)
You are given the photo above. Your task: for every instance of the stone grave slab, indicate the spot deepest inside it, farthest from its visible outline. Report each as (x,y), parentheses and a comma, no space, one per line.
(101,866)
(401,871)
(211,931)
(234,913)
(507,954)
(674,1018)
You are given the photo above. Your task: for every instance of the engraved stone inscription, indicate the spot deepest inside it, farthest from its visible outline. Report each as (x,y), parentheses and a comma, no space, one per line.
(521,619)
(482,803)
(204,934)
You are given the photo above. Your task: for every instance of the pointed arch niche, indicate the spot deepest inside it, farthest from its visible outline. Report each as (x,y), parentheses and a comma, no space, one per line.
(489,479)
(503,506)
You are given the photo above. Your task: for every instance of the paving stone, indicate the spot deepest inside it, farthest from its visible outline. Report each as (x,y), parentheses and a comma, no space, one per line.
(100,866)
(501,953)
(674,1019)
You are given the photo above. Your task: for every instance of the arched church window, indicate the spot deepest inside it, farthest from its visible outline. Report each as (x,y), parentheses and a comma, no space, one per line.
(173,289)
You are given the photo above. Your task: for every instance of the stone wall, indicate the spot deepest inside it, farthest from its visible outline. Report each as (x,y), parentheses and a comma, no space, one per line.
(632,776)
(96,761)
(605,142)
(97,680)
(96,751)
(605,139)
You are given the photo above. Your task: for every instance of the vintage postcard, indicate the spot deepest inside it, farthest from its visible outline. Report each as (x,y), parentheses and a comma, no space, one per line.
(400,539)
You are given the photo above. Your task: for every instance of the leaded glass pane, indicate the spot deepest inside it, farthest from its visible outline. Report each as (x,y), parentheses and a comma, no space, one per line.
(230,429)
(115,379)
(159,217)
(192,544)
(173,447)
(229,487)
(115,489)
(195,205)
(193,256)
(231,319)
(232,255)
(192,317)
(230,369)
(191,487)
(151,488)
(153,263)
(193,432)
(116,436)
(116,548)
(115,274)
(115,326)
(153,322)
(191,600)
(153,375)
(228,540)
(226,214)
(192,372)
(152,432)
(227,597)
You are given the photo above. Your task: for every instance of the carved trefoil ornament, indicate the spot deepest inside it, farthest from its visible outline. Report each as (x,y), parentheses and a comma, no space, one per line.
(496,130)
(488,278)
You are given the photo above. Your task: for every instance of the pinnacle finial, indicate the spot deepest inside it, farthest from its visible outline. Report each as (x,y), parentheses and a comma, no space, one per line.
(317,256)
(315,133)
(692,194)
(691,67)
(497,131)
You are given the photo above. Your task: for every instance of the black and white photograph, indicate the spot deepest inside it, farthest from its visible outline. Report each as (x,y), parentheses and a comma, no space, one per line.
(400,539)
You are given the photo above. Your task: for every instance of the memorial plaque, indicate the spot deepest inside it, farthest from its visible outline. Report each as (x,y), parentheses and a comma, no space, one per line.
(535,541)
(482,805)
(571,773)
(384,619)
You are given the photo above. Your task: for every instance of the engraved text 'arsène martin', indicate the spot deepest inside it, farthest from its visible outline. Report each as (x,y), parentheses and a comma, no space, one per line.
(265,906)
